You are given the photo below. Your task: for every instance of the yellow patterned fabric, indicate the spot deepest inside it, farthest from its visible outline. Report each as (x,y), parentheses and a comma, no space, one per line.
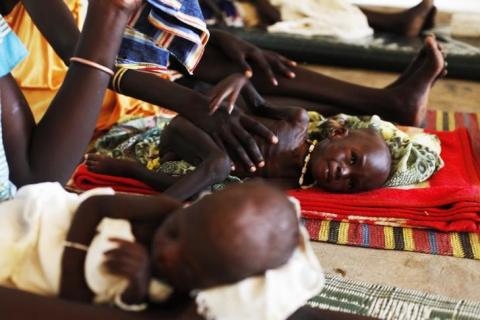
(42,73)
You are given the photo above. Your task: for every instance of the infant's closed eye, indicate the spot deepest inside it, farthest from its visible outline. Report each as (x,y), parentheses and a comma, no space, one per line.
(353,158)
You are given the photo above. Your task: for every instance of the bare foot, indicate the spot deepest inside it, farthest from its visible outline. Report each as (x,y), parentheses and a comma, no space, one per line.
(430,20)
(110,166)
(412,67)
(416,63)
(410,97)
(412,21)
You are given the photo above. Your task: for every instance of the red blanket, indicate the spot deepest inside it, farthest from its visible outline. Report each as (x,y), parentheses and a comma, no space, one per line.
(86,180)
(449,202)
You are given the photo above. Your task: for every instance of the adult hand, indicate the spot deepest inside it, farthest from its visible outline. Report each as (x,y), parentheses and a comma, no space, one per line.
(244,53)
(228,89)
(258,105)
(234,133)
(130,260)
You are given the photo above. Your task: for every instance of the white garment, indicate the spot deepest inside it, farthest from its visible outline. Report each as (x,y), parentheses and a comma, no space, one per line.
(274,296)
(105,285)
(336,18)
(33,228)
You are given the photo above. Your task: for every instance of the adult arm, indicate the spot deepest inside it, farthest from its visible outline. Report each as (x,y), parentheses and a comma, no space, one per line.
(60,28)
(21,305)
(309,313)
(50,150)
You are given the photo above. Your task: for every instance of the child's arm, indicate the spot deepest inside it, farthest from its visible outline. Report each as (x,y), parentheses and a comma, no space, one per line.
(190,144)
(62,39)
(144,209)
(212,163)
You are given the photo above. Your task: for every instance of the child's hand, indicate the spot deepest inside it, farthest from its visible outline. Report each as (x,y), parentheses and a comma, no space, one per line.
(228,89)
(239,52)
(130,260)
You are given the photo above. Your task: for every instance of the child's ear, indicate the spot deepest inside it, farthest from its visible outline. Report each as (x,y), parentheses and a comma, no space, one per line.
(337,133)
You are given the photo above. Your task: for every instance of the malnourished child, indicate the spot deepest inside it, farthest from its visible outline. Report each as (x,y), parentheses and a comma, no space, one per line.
(242,245)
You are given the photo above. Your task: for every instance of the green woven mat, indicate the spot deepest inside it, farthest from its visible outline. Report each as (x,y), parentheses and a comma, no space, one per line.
(385,302)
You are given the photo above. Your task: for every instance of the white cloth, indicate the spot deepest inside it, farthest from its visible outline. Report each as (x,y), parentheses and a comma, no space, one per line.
(336,18)
(105,285)
(274,296)
(33,228)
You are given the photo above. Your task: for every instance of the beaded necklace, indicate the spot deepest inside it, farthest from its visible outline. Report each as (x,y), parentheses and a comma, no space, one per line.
(305,163)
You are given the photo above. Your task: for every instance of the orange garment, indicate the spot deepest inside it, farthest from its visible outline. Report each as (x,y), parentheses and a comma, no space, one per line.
(41,74)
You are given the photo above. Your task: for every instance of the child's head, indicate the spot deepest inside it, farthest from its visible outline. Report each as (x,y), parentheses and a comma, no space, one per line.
(236,233)
(351,160)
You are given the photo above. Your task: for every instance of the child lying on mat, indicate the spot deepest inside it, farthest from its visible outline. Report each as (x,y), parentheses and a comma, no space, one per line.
(343,154)
(240,253)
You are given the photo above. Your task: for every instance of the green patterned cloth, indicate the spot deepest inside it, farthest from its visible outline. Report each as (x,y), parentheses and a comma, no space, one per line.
(415,158)
(139,140)
(385,302)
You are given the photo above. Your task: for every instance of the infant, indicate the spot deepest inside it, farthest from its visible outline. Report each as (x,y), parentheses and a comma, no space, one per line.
(244,239)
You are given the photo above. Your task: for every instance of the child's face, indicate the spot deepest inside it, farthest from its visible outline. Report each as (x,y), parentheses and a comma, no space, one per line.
(219,239)
(351,161)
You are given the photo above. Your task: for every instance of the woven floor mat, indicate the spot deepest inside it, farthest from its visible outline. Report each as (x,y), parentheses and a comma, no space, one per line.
(385,302)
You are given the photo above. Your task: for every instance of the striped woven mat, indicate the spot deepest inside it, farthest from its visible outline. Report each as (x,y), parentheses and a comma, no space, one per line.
(385,302)
(462,245)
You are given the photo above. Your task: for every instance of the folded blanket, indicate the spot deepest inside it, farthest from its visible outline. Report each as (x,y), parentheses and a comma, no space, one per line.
(86,180)
(449,201)
(336,18)
(161,29)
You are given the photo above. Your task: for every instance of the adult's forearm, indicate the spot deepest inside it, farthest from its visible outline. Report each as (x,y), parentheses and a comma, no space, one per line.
(151,88)
(21,305)
(65,130)
(62,33)
(56,23)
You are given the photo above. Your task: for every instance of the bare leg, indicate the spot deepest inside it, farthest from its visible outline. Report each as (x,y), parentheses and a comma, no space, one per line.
(408,23)
(404,102)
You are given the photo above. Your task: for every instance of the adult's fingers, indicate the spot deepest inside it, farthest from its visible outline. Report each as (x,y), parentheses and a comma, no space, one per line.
(218,98)
(242,61)
(233,98)
(256,127)
(250,145)
(220,143)
(233,144)
(258,57)
(281,67)
(284,59)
